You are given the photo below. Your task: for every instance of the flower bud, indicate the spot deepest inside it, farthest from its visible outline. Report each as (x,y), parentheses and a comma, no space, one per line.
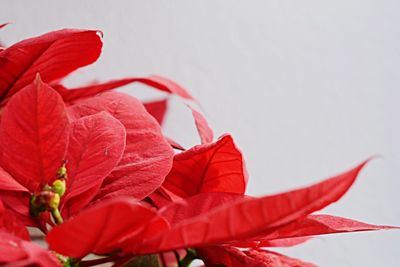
(54,201)
(62,171)
(59,187)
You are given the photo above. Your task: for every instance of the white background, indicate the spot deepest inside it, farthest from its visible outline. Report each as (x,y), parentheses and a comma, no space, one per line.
(307,88)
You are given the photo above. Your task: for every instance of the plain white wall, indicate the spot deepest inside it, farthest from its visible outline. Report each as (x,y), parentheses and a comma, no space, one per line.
(308,89)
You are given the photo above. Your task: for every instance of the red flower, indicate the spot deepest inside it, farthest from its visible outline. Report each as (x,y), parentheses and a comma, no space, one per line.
(98,159)
(36,136)
(210,219)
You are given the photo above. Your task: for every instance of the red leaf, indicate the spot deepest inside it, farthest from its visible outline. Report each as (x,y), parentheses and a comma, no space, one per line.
(34,135)
(147,157)
(169,86)
(155,81)
(7,182)
(317,225)
(216,167)
(174,144)
(205,132)
(18,252)
(53,54)
(96,145)
(181,210)
(18,202)
(73,94)
(10,247)
(233,257)
(4,24)
(283,242)
(10,223)
(157,109)
(103,227)
(249,218)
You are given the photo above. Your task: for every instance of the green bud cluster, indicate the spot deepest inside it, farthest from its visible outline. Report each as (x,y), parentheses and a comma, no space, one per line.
(49,198)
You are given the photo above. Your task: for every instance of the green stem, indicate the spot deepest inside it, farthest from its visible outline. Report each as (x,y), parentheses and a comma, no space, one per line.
(187,260)
(57,216)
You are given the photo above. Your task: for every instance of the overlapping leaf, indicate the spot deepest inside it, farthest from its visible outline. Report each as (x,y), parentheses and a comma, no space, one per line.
(157,82)
(216,167)
(96,145)
(147,157)
(313,225)
(103,227)
(233,257)
(205,132)
(154,81)
(157,109)
(34,135)
(8,183)
(54,55)
(196,205)
(250,217)
(11,224)
(19,252)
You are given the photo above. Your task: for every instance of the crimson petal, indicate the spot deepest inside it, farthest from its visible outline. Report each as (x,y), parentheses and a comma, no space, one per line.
(53,54)
(19,252)
(215,167)
(147,157)
(204,130)
(154,81)
(4,24)
(184,209)
(313,225)
(101,228)
(96,145)
(233,257)
(34,135)
(10,223)
(249,218)
(8,183)
(157,109)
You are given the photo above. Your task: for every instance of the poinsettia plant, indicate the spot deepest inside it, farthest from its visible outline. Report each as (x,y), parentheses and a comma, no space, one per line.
(92,169)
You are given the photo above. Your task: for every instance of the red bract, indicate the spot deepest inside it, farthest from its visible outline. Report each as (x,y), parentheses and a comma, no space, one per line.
(157,109)
(4,24)
(64,51)
(205,132)
(231,256)
(10,223)
(34,134)
(154,81)
(147,157)
(220,218)
(157,82)
(96,145)
(98,158)
(216,167)
(19,252)
(105,226)
(15,247)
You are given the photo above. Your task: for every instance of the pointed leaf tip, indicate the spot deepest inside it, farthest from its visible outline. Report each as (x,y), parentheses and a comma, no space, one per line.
(249,218)
(34,135)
